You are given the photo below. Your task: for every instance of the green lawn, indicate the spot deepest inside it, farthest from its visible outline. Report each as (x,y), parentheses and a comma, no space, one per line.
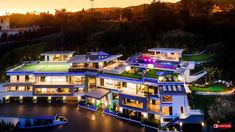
(213,88)
(44,67)
(201,57)
(125,74)
(128,75)
(152,73)
(33,67)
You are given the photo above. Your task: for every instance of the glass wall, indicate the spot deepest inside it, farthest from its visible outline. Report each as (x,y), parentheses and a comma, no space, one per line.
(91,84)
(52,91)
(150,90)
(132,103)
(166,110)
(19,88)
(154,105)
(166,99)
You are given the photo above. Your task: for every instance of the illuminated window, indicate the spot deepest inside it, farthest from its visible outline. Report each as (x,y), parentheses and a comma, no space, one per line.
(52,90)
(27,77)
(101,82)
(117,84)
(43,78)
(124,84)
(132,103)
(182,110)
(65,57)
(167,99)
(167,110)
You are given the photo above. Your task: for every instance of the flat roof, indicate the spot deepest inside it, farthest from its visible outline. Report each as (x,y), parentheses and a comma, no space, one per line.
(82,59)
(193,119)
(165,50)
(43,67)
(98,93)
(58,52)
(53,86)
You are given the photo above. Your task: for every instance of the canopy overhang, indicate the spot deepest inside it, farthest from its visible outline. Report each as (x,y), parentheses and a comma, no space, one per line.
(98,93)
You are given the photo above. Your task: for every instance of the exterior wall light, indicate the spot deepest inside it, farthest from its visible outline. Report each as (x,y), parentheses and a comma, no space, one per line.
(120,109)
(93,101)
(79,98)
(181,124)
(150,66)
(34,97)
(7,97)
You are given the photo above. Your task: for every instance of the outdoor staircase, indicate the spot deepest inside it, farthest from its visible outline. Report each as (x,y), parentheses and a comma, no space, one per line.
(170,123)
(197,76)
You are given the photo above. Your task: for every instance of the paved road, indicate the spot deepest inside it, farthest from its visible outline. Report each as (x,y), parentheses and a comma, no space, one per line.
(80,120)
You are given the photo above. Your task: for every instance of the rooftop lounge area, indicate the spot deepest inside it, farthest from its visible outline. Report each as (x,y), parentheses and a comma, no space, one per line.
(94,61)
(57,56)
(161,75)
(148,61)
(166,54)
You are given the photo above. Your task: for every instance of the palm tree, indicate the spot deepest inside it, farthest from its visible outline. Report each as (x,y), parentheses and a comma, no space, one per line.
(210,73)
(219,72)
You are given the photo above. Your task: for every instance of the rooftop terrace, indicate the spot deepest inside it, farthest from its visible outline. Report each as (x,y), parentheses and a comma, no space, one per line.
(165,50)
(58,52)
(43,67)
(139,73)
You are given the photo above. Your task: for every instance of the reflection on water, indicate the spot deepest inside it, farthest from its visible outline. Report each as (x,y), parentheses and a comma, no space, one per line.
(78,119)
(93,117)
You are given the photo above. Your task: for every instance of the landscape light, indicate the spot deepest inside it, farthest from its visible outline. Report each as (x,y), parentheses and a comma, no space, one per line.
(180,78)
(128,68)
(203,124)
(160,78)
(106,103)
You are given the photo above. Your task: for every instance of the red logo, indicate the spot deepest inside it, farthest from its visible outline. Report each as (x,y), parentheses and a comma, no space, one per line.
(223,125)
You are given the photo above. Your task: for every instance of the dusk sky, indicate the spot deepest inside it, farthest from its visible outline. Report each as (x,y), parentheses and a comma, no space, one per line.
(22,6)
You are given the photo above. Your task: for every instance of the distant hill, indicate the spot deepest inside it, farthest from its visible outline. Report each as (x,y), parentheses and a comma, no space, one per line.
(137,8)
